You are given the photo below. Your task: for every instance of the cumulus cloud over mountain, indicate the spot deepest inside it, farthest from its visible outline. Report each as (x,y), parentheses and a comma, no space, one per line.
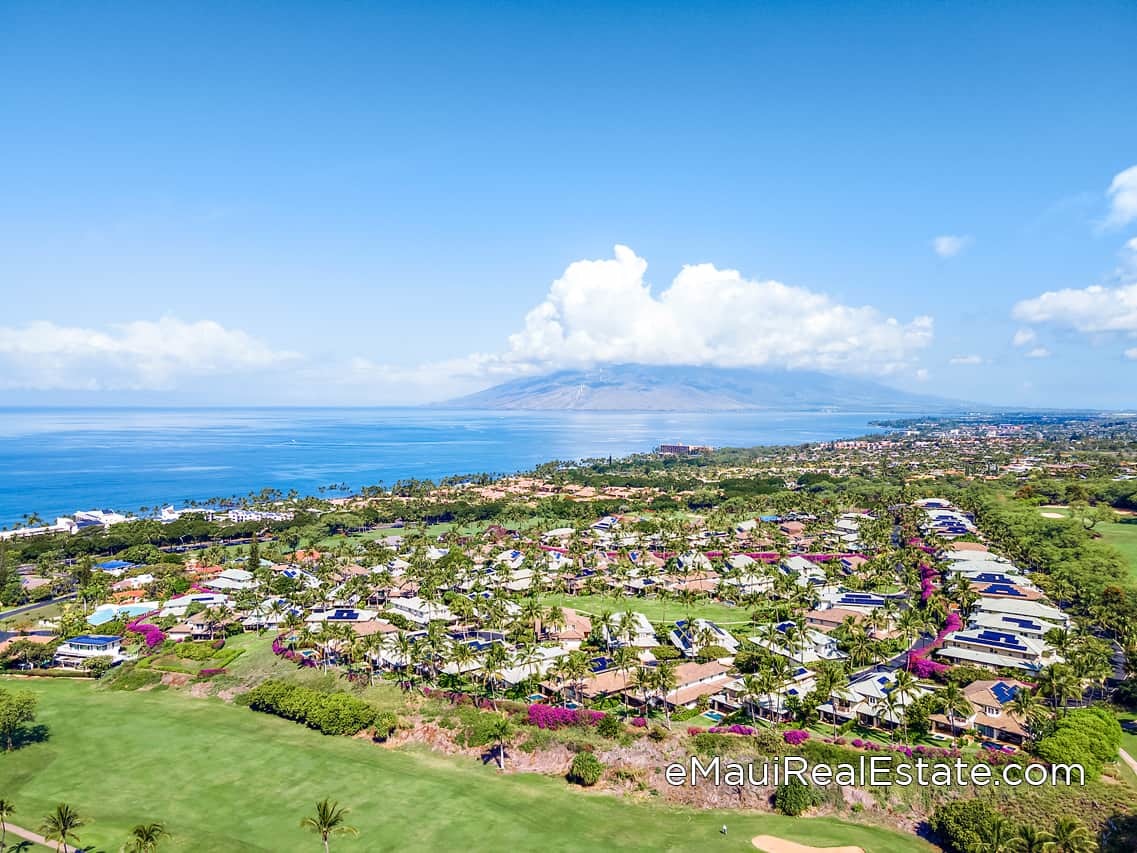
(605,311)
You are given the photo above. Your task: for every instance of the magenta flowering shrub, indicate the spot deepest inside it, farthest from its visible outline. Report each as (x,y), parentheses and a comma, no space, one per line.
(919,662)
(795,737)
(735,729)
(927,585)
(858,743)
(151,634)
(553,717)
(639,722)
(694,730)
(923,667)
(209,673)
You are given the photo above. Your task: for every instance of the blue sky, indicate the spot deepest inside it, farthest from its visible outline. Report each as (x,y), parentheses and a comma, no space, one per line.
(355,203)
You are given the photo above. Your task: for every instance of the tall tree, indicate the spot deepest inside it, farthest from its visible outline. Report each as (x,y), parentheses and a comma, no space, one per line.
(60,826)
(17,707)
(329,820)
(7,809)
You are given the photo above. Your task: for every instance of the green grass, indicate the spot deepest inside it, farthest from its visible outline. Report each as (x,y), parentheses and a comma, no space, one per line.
(655,609)
(1121,534)
(226,778)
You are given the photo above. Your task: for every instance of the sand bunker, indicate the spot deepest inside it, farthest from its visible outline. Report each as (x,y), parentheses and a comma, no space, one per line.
(1052,515)
(773,844)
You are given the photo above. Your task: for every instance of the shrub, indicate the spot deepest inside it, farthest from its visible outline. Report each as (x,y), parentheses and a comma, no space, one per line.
(639,722)
(794,797)
(665,653)
(385,724)
(963,825)
(553,717)
(795,737)
(98,665)
(609,726)
(657,734)
(328,713)
(585,770)
(713,653)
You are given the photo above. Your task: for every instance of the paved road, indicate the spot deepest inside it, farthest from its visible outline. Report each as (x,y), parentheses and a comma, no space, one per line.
(28,608)
(28,835)
(1128,759)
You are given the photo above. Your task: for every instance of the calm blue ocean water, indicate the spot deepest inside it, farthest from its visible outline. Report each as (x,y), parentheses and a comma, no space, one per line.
(56,461)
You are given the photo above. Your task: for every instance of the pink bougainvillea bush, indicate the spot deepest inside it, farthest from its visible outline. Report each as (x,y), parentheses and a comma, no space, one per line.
(795,737)
(735,729)
(553,717)
(151,634)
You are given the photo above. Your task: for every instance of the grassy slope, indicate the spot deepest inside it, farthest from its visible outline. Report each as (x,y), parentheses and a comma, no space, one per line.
(225,778)
(653,608)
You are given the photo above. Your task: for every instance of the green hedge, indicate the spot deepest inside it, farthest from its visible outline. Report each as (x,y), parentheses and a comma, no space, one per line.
(51,673)
(586,769)
(328,713)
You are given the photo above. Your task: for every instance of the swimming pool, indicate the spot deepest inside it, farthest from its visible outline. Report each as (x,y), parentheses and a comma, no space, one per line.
(106,612)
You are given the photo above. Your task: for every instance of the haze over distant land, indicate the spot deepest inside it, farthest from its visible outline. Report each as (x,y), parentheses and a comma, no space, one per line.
(675,388)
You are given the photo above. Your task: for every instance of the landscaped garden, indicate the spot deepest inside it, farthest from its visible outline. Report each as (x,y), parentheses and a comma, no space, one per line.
(225,778)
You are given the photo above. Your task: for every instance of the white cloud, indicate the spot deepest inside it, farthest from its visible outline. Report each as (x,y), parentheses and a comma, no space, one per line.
(1122,198)
(1090,309)
(143,354)
(1131,353)
(966,359)
(1023,337)
(1038,352)
(604,311)
(922,374)
(950,245)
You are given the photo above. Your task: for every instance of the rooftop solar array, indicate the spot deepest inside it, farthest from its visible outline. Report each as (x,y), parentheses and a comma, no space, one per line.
(1004,692)
(996,639)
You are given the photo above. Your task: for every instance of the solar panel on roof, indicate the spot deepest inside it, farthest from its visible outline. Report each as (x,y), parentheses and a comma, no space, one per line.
(1004,692)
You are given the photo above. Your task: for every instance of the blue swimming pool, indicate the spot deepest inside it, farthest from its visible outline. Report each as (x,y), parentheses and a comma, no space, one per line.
(105,613)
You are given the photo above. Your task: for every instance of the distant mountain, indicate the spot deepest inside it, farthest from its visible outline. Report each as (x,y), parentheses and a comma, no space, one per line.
(649,388)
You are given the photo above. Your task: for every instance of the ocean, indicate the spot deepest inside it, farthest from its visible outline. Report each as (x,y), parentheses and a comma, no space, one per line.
(55,461)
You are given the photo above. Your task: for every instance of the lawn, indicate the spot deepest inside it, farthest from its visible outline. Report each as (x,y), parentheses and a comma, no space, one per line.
(1121,534)
(655,609)
(225,778)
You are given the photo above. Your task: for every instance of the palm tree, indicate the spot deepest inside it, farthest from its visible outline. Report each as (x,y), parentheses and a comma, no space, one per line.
(1059,684)
(60,826)
(663,681)
(500,730)
(999,837)
(1027,708)
(7,809)
(642,682)
(903,689)
(1071,836)
(753,685)
(623,659)
(144,838)
(330,819)
(1030,839)
(952,701)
